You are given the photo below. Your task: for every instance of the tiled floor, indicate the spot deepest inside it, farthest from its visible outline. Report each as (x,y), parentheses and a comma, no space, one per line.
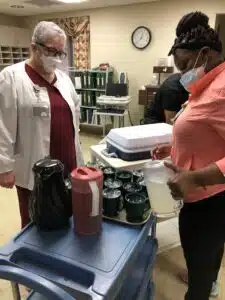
(168,284)
(169,263)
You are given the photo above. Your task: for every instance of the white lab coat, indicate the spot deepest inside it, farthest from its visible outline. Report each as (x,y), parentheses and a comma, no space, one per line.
(25,138)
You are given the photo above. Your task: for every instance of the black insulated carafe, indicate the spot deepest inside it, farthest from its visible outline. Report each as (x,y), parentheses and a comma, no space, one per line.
(50,202)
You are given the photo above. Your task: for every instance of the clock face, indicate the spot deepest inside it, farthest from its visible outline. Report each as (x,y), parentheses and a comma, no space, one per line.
(141,37)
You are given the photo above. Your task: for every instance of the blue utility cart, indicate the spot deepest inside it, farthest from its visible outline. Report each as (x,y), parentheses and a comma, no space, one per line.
(113,265)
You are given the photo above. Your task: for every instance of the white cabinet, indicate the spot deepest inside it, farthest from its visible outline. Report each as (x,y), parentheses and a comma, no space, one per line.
(14,36)
(6,35)
(21,37)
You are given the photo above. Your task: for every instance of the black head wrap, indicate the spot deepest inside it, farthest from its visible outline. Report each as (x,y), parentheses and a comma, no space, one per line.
(193,33)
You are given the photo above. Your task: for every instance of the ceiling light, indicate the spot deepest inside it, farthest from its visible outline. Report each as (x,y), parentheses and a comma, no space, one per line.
(72,1)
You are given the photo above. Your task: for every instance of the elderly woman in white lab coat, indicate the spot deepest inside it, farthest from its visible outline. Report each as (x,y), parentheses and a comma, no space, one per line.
(39,114)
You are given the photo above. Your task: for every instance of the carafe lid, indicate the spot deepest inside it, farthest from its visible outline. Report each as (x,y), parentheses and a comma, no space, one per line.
(48,166)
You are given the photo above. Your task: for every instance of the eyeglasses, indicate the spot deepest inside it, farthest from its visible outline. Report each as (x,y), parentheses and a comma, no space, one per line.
(49,51)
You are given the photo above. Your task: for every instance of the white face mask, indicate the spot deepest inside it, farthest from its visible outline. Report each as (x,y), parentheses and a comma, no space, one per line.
(50,63)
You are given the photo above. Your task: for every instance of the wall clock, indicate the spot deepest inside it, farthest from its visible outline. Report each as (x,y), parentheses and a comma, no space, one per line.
(141,37)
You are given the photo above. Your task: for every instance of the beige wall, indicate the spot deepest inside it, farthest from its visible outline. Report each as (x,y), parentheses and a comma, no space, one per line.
(111,30)
(7,20)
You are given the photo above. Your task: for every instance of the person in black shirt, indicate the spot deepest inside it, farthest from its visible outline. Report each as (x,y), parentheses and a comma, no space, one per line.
(167,102)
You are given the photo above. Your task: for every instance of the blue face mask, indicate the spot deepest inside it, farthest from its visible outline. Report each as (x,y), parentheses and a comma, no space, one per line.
(188,78)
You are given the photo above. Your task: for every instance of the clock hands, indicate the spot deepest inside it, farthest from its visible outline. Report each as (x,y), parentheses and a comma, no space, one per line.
(141,37)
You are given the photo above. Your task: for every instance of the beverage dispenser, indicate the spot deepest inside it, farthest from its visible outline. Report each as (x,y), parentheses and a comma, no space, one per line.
(87,186)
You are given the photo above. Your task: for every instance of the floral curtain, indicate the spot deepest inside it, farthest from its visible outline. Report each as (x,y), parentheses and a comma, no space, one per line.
(79,29)
(82,50)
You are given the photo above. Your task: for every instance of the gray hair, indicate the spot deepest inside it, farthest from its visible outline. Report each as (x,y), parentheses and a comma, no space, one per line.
(45,30)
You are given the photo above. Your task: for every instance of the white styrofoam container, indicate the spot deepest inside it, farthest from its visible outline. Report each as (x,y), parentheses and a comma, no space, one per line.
(140,138)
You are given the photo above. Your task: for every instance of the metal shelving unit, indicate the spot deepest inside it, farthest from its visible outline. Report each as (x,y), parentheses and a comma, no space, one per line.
(90,84)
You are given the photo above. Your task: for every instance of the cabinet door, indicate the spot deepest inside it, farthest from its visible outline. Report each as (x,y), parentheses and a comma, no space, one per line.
(13,36)
(6,35)
(21,37)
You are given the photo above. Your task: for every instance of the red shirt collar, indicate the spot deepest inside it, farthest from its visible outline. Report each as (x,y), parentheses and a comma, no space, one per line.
(37,78)
(202,83)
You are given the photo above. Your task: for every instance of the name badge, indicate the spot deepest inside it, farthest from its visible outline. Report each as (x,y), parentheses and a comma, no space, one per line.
(41,110)
(41,106)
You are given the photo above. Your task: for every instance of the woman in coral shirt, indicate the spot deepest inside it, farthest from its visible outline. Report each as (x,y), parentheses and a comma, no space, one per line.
(198,152)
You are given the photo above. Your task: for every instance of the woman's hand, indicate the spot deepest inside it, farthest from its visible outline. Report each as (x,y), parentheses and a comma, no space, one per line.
(161,152)
(7,180)
(182,183)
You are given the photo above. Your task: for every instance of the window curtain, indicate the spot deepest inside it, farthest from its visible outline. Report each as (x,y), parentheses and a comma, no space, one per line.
(79,29)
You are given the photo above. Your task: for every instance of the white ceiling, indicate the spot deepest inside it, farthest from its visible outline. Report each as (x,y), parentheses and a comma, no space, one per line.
(34,7)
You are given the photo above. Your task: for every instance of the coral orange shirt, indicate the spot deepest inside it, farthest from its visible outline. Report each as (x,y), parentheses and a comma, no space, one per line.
(199,132)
